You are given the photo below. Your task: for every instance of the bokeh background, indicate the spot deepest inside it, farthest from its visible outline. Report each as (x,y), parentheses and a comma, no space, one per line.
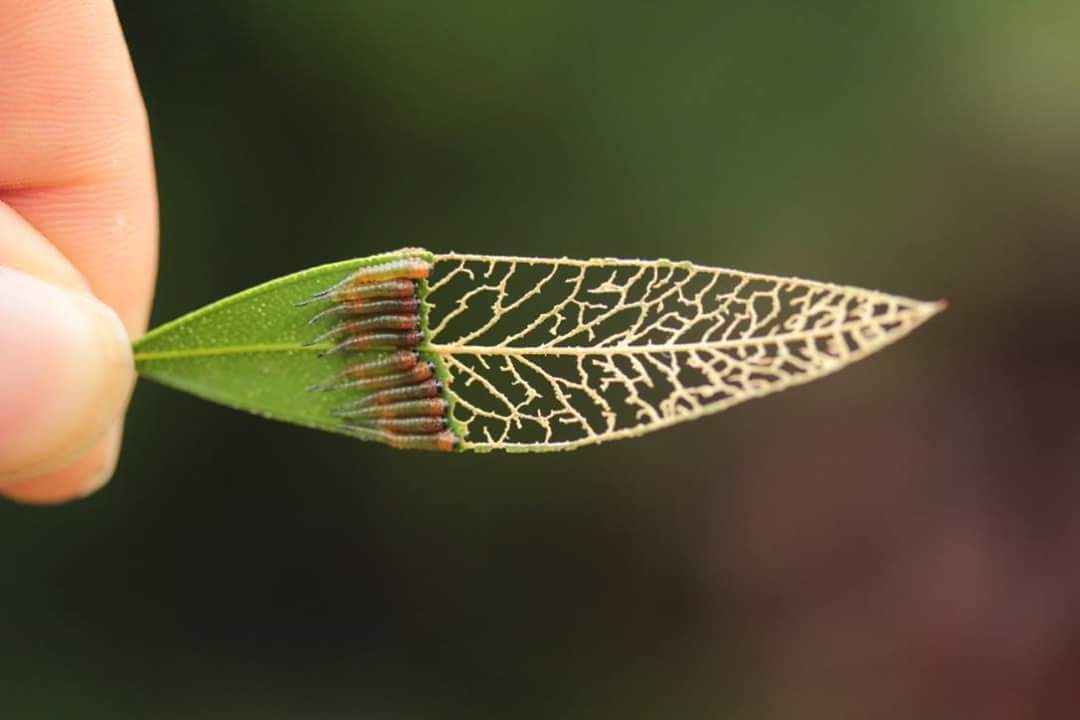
(900,540)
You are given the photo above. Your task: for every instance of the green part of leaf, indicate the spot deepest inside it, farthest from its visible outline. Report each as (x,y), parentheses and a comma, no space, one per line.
(246,351)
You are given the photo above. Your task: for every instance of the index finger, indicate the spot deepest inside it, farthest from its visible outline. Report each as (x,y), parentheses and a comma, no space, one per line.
(75,158)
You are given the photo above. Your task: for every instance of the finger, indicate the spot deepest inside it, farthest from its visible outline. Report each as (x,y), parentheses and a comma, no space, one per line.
(23,248)
(75,151)
(66,373)
(85,476)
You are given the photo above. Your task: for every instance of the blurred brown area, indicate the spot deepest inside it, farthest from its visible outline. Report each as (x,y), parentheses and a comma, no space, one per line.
(901,540)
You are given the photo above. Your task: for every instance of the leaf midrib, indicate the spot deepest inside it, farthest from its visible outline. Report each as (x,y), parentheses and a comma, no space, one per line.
(453,349)
(151,355)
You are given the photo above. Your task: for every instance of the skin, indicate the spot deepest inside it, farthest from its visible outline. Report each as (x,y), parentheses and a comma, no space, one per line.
(78,244)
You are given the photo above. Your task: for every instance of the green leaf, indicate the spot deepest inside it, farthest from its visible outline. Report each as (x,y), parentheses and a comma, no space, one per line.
(246,351)
(538,354)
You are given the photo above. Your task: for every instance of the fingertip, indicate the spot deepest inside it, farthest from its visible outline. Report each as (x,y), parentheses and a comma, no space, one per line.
(75,156)
(66,374)
(101,473)
(82,478)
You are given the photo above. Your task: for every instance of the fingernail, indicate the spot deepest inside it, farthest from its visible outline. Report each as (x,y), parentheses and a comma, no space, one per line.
(66,373)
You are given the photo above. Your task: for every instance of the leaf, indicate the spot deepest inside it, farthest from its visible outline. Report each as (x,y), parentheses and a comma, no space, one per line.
(538,354)
(247,351)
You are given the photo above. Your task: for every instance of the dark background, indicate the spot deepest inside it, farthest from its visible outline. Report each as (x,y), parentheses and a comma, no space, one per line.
(900,540)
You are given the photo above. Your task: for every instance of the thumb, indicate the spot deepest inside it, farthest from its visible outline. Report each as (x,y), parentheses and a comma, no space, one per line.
(66,373)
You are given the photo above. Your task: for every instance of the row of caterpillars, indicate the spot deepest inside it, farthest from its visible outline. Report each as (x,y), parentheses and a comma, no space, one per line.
(376,312)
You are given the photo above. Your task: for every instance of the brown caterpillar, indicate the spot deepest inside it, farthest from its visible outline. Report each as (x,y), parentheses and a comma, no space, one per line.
(382,364)
(430,407)
(427,389)
(444,441)
(371,306)
(378,341)
(417,374)
(368,324)
(408,268)
(403,426)
(347,294)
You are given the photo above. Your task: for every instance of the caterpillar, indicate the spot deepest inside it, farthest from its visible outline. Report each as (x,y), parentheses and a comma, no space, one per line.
(421,372)
(370,306)
(444,441)
(403,426)
(427,389)
(376,322)
(362,282)
(430,407)
(381,364)
(348,294)
(378,341)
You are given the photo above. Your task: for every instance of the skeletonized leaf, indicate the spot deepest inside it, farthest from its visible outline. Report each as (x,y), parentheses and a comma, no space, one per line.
(534,354)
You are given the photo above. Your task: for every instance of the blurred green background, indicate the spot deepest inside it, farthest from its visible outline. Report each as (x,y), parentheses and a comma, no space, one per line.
(900,540)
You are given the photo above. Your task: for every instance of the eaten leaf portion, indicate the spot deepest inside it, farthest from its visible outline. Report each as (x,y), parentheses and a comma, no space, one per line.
(554,354)
(526,354)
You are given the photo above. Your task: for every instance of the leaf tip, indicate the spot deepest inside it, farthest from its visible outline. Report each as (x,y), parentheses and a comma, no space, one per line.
(928,310)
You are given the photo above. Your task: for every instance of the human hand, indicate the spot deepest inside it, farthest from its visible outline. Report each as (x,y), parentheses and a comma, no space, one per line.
(78,244)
